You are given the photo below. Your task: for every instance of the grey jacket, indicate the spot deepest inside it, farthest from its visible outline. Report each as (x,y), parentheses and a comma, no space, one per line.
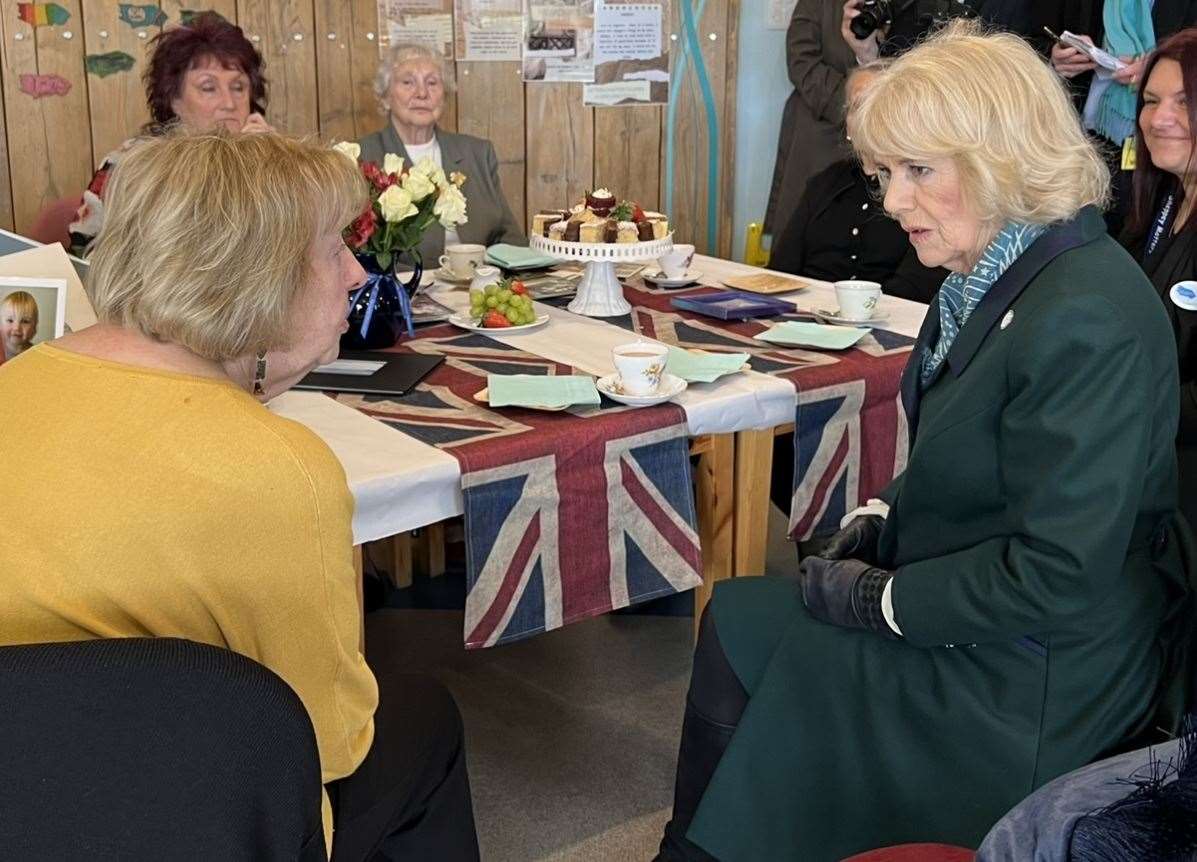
(489,217)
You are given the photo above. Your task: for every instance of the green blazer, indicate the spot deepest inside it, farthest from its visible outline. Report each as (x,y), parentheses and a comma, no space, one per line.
(489,218)
(1036,582)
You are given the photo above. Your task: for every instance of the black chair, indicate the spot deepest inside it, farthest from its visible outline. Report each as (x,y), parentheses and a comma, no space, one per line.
(153,748)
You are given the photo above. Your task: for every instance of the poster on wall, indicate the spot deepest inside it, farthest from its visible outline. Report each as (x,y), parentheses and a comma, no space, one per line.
(779,14)
(558,40)
(631,54)
(421,22)
(489,30)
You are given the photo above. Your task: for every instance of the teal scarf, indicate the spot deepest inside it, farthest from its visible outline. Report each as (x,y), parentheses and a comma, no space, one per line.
(1129,31)
(960,293)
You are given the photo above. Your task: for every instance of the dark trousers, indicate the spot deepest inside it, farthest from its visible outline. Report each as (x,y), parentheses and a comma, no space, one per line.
(410,797)
(714,704)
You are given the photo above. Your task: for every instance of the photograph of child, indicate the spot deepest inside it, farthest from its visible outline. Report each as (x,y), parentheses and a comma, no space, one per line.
(27,317)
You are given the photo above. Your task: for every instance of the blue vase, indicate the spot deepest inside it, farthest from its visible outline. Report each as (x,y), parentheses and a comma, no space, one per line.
(380,311)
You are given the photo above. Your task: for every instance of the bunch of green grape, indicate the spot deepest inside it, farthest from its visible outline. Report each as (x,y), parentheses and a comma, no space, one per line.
(499,301)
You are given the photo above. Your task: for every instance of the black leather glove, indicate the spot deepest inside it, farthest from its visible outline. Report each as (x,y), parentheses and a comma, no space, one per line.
(845,593)
(858,540)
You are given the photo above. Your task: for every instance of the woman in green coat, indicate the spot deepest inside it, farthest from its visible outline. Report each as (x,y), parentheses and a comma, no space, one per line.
(1009,617)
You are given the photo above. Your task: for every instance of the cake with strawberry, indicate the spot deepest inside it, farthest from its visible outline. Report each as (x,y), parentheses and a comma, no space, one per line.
(600,219)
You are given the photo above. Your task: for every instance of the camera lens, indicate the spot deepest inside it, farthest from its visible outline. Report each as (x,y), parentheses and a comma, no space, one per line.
(863,25)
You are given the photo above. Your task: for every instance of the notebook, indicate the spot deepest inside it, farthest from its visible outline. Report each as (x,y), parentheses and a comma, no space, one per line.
(398,375)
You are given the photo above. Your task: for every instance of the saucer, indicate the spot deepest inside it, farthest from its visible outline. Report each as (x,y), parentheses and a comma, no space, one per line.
(449,277)
(661,280)
(474,325)
(671,387)
(832,316)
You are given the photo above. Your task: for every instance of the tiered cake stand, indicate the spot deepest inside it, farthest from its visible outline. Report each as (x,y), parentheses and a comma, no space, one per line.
(599,292)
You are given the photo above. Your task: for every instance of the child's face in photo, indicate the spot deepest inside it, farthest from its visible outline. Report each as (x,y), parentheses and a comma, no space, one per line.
(16,329)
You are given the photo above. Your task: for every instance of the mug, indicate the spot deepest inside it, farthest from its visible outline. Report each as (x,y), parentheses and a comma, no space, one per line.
(858,299)
(461,259)
(675,264)
(640,365)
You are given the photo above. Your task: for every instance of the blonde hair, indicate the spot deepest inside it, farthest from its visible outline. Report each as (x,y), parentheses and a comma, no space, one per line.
(22,303)
(206,238)
(990,103)
(396,56)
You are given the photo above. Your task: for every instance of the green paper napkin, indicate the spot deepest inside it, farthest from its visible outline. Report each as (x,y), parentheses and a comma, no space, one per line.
(703,367)
(517,257)
(540,390)
(803,334)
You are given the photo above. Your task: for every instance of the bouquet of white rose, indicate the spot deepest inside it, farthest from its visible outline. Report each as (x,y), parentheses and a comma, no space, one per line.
(404,202)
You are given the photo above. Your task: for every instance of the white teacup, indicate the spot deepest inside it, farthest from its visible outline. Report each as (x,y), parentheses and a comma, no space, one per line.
(857,299)
(675,264)
(461,259)
(640,365)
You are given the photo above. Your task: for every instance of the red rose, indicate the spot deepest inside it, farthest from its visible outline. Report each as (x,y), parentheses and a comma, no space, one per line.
(377,178)
(359,232)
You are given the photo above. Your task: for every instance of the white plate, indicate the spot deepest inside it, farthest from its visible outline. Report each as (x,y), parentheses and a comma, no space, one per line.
(467,322)
(831,316)
(482,396)
(661,280)
(448,277)
(671,387)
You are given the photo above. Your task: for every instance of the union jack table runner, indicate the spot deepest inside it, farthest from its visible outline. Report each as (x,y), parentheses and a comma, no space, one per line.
(851,436)
(567,514)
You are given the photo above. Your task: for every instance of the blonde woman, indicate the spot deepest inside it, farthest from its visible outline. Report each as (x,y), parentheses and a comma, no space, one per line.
(1002,617)
(411,86)
(160,497)
(18,323)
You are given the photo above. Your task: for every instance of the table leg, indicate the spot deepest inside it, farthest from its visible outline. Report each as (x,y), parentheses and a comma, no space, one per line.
(754,469)
(428,554)
(714,495)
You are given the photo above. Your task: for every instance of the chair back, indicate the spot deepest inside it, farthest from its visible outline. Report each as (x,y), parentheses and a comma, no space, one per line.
(153,748)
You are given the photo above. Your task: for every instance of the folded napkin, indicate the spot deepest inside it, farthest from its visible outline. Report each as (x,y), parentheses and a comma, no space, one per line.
(703,367)
(540,390)
(818,335)
(517,257)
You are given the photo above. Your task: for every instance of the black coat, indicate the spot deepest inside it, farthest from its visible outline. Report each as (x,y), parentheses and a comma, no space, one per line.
(840,230)
(1175,259)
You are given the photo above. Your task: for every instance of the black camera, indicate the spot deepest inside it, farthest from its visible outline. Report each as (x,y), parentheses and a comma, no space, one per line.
(874,15)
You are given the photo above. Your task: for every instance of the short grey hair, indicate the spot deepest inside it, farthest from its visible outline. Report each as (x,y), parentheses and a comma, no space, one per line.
(405,52)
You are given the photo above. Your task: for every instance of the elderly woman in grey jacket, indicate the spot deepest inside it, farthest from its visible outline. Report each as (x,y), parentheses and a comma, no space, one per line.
(411,85)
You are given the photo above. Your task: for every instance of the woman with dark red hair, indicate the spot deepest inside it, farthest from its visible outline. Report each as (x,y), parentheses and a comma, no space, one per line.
(203,75)
(1162,229)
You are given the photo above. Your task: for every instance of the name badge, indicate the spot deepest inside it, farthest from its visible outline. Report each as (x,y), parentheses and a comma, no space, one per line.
(1128,154)
(1184,295)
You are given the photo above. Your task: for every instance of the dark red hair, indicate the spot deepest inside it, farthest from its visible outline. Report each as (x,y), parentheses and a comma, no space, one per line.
(1150,182)
(207,35)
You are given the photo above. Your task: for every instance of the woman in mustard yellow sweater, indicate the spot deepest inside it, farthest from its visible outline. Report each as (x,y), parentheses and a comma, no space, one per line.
(158,497)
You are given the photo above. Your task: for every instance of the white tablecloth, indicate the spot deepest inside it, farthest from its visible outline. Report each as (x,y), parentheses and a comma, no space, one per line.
(400,483)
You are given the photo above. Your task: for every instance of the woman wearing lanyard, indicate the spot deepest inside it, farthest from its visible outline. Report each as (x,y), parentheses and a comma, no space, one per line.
(1162,228)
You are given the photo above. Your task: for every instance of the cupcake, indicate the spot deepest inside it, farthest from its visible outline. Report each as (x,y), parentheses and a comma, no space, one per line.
(600,201)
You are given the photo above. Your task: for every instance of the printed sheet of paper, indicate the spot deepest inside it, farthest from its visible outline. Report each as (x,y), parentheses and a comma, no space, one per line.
(631,53)
(779,14)
(50,261)
(558,40)
(489,29)
(423,22)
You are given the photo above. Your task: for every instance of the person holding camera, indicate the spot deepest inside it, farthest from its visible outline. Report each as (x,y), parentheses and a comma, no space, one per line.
(885,28)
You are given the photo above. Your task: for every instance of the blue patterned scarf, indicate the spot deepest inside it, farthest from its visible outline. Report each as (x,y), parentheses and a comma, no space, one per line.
(961,293)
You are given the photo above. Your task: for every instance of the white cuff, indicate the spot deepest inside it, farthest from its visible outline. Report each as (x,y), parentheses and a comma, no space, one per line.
(887,606)
(873,507)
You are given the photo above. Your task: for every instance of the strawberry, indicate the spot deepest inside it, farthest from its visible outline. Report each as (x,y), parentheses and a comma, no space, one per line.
(518,287)
(495,320)
(637,214)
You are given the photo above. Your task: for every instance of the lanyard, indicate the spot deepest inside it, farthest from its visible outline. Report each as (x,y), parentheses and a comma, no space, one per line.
(1161,224)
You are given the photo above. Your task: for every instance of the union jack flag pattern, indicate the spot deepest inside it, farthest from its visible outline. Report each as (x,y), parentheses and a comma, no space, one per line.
(564,519)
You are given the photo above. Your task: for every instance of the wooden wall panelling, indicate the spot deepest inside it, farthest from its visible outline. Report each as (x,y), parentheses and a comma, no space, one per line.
(49,144)
(560,149)
(364,53)
(690,186)
(334,69)
(174,9)
(6,213)
(627,152)
(727,146)
(285,31)
(116,94)
(490,104)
